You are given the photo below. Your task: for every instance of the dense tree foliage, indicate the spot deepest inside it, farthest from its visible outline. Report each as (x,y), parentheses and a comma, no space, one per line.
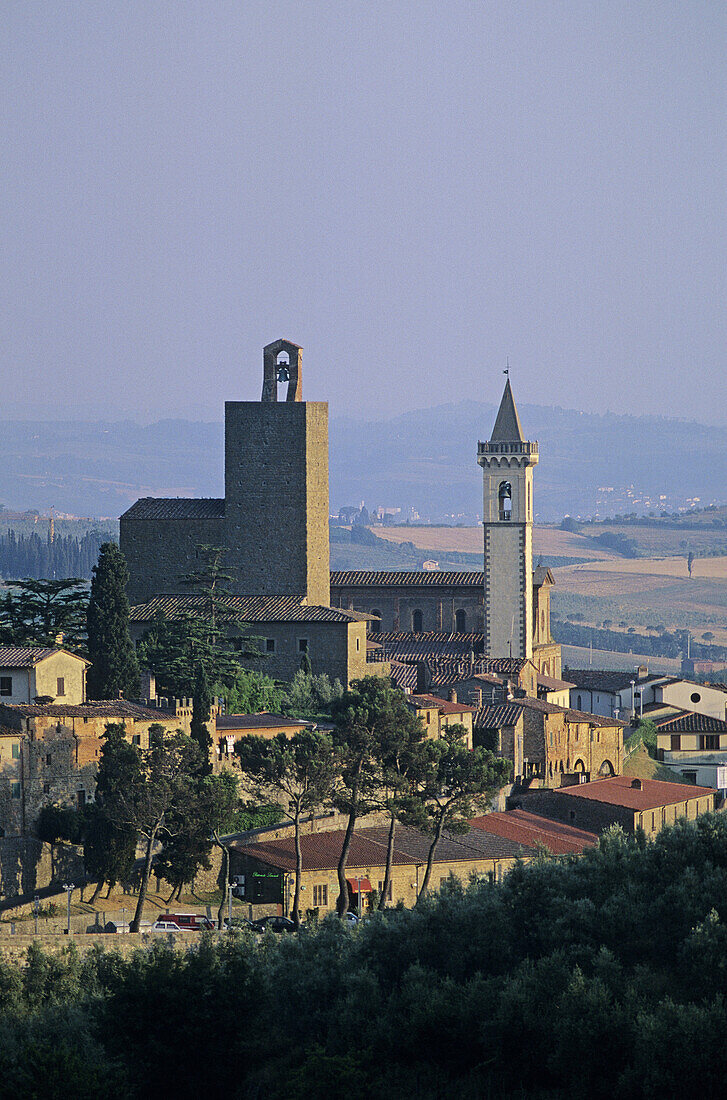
(40,558)
(114,670)
(41,613)
(601,977)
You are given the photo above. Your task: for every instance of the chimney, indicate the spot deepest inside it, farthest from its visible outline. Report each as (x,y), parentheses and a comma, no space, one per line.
(453,695)
(59,638)
(642,672)
(637,785)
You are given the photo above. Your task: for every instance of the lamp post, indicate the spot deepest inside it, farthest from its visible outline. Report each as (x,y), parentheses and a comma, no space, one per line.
(69,888)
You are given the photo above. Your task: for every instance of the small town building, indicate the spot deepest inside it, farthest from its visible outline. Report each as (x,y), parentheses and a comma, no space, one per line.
(550,745)
(229,728)
(269,866)
(438,714)
(627,694)
(49,753)
(694,747)
(647,804)
(286,630)
(30,673)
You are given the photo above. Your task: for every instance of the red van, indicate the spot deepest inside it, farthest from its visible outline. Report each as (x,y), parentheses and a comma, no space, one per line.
(189,922)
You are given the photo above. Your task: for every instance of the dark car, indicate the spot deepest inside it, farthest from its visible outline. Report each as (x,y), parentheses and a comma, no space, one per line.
(273,924)
(237,924)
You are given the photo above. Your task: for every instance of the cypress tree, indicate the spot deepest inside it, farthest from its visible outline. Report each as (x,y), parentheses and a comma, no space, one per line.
(114,667)
(201,707)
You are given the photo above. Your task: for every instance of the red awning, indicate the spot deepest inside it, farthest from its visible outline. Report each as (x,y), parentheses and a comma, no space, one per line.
(366,887)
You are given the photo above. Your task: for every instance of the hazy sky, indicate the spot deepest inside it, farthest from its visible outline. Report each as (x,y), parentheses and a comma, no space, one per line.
(411,190)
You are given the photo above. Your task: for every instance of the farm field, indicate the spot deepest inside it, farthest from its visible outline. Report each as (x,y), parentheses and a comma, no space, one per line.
(647,591)
(664,541)
(468,540)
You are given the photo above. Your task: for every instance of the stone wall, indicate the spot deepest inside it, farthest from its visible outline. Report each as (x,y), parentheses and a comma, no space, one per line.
(160,552)
(276,498)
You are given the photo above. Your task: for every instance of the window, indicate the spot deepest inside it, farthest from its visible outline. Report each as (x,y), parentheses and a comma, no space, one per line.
(136,739)
(709,741)
(460,622)
(572,815)
(81,799)
(15,790)
(579,702)
(389,892)
(270,645)
(320,896)
(61,686)
(16,752)
(302,645)
(48,759)
(6,685)
(358,644)
(46,788)
(504,496)
(375,628)
(695,697)
(417,619)
(675,742)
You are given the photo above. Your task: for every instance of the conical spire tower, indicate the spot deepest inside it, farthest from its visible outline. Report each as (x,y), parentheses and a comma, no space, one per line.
(507,462)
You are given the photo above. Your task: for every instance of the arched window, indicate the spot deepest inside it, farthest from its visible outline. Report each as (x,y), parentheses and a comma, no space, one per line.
(606,768)
(504,496)
(542,624)
(375,627)
(416,621)
(460,622)
(579,703)
(282,370)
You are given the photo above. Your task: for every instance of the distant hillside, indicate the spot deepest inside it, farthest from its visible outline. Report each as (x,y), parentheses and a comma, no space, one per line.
(424,459)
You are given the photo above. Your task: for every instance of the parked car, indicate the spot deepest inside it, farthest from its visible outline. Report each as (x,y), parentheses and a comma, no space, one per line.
(164,925)
(237,924)
(273,924)
(350,918)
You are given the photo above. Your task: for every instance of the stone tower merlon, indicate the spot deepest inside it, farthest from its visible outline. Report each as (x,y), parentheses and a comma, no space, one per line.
(507,462)
(282,364)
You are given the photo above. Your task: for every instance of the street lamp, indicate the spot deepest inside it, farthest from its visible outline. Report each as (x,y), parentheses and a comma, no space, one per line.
(69,887)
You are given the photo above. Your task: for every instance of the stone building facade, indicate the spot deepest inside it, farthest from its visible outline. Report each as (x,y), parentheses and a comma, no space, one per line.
(32,672)
(49,753)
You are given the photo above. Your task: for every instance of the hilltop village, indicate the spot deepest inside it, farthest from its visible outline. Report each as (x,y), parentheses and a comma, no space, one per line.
(397,728)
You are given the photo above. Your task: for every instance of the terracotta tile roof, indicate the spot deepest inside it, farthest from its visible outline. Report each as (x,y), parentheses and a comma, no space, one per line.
(404,676)
(321,851)
(570,715)
(445,706)
(531,830)
(552,683)
(618,791)
(27,656)
(687,722)
(380,578)
(590,679)
(450,672)
(495,717)
(176,508)
(97,708)
(264,720)
(250,609)
(429,644)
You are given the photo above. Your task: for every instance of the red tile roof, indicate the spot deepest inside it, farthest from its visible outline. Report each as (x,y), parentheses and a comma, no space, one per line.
(96,708)
(531,830)
(497,716)
(263,720)
(688,722)
(445,706)
(618,791)
(570,715)
(552,683)
(12,656)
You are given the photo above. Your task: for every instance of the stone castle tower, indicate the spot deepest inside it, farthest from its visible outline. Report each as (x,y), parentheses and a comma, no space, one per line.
(273,518)
(507,461)
(276,485)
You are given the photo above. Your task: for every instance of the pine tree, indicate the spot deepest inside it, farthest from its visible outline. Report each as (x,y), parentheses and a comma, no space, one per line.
(114,669)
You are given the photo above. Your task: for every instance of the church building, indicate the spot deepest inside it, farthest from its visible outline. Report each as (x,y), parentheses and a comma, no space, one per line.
(273,523)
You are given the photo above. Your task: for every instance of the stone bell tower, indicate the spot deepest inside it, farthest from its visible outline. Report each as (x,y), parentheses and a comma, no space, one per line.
(276,485)
(507,461)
